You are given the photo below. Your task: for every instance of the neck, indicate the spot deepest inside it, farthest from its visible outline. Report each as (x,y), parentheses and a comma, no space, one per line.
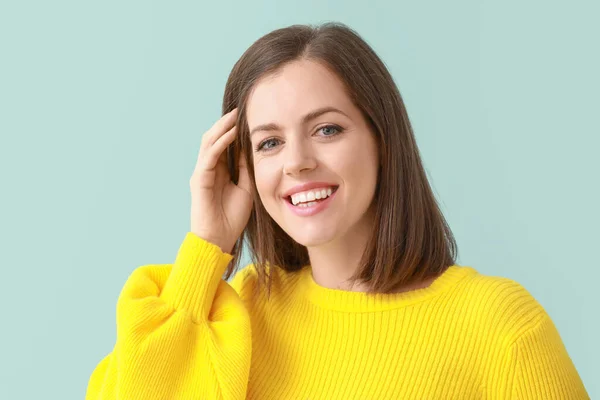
(333,263)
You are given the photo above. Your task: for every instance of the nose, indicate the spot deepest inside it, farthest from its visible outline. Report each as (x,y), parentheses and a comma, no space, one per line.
(298,157)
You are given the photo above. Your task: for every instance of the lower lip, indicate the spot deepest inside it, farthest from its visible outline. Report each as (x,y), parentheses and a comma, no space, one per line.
(312,210)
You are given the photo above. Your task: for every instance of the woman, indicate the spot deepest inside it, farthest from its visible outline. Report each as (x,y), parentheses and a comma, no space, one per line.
(353,292)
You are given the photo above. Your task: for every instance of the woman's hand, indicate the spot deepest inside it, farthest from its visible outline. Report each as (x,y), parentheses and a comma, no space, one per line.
(220,209)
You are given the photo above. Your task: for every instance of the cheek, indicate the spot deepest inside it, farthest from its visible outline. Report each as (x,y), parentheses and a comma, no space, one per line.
(358,161)
(266,182)
(362,168)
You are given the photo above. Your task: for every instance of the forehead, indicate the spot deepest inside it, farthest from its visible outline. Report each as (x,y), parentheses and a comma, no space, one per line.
(298,88)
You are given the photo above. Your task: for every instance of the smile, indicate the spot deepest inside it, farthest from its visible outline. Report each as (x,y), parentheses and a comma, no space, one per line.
(311,202)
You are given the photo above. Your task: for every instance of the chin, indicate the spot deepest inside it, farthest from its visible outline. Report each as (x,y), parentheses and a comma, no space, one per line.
(308,238)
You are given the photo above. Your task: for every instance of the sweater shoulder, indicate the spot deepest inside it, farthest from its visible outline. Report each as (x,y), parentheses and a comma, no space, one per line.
(244,279)
(503,304)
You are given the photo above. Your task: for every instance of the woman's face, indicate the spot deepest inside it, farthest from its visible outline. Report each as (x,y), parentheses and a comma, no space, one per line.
(336,150)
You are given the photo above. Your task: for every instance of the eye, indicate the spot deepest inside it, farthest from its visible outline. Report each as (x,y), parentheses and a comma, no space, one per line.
(329,132)
(336,130)
(263,146)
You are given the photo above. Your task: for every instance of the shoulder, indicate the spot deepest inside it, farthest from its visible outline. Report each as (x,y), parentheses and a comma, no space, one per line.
(248,276)
(244,279)
(501,304)
(252,287)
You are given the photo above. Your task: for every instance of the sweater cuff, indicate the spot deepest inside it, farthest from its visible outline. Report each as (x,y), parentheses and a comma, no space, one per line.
(196,274)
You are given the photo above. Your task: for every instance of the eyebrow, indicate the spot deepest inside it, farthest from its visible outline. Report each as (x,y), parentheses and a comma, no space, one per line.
(308,117)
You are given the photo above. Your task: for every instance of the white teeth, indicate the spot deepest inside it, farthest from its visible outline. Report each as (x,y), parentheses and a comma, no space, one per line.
(309,204)
(309,196)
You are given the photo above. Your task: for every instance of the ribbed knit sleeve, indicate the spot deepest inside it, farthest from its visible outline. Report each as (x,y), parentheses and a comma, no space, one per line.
(182,332)
(539,367)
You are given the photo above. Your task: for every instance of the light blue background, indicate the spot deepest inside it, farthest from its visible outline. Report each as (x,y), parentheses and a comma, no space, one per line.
(103,105)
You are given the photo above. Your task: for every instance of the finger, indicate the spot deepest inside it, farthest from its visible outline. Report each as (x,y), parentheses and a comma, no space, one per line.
(220,146)
(209,156)
(220,127)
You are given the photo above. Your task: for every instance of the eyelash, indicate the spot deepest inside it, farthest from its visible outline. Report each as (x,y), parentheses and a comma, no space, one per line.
(259,147)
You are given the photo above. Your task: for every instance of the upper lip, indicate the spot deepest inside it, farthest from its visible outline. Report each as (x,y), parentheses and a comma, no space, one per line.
(307,186)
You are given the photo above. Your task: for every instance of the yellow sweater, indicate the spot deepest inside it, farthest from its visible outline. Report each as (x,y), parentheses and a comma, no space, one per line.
(185,333)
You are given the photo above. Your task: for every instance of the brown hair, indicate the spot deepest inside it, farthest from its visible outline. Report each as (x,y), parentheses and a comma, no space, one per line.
(411,240)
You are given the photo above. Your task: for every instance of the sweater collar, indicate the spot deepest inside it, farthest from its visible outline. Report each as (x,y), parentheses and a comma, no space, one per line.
(349,301)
